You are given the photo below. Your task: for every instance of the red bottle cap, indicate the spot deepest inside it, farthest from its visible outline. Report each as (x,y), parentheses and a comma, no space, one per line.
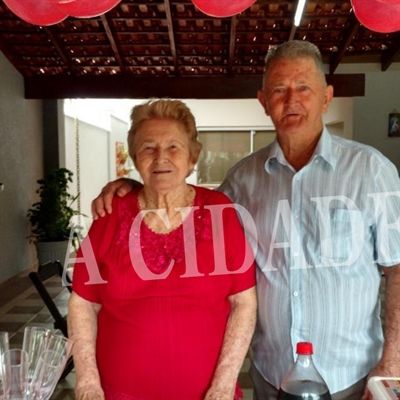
(304,348)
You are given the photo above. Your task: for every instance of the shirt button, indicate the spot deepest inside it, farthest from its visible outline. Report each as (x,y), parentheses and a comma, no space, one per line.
(296,254)
(316,161)
(297,178)
(295,294)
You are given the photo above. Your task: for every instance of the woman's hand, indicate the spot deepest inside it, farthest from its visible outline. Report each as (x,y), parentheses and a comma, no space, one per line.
(89,392)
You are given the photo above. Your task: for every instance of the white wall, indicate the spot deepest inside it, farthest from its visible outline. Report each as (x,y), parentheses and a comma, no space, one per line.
(371,112)
(21,164)
(95,151)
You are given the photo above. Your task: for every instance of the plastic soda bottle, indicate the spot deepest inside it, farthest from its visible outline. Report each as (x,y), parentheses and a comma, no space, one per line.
(303,381)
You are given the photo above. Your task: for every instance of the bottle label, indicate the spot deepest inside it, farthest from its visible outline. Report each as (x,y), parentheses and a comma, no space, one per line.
(392,387)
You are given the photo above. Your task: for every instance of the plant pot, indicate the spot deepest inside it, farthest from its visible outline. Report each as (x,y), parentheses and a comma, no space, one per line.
(51,251)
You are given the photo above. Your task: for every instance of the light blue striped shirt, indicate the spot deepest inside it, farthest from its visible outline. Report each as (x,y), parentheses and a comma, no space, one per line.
(319,231)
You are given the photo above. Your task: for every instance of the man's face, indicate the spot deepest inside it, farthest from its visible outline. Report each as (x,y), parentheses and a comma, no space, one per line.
(295,97)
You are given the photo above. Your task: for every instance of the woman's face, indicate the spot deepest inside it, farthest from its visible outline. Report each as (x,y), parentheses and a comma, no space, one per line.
(162,155)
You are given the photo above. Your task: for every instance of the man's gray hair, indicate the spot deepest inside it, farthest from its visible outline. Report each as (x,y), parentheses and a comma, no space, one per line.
(294,50)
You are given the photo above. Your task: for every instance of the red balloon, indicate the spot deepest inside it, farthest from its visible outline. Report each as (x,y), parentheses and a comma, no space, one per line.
(87,8)
(222,8)
(36,12)
(377,16)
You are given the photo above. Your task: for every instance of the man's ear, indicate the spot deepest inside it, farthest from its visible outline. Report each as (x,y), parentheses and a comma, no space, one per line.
(328,98)
(262,100)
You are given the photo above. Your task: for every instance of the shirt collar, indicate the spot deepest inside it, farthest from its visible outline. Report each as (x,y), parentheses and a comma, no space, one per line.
(324,150)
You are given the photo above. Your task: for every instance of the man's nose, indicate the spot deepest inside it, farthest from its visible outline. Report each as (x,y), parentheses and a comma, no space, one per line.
(291,95)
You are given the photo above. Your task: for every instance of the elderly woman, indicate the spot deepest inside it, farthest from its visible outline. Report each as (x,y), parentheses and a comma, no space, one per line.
(170,307)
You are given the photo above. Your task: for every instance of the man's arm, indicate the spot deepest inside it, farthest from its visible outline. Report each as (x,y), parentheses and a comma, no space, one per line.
(390,361)
(120,187)
(389,365)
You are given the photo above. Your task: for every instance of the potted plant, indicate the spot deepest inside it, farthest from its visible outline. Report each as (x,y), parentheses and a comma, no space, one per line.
(50,216)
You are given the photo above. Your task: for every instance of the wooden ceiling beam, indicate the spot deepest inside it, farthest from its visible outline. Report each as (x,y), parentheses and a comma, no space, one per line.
(112,41)
(14,59)
(58,47)
(292,33)
(171,35)
(232,42)
(205,87)
(389,56)
(351,32)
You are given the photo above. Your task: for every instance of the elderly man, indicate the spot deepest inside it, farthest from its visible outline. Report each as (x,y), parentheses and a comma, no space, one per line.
(327,216)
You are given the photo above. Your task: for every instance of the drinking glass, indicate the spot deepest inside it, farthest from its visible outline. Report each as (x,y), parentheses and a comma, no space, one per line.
(49,369)
(34,343)
(16,362)
(61,345)
(4,346)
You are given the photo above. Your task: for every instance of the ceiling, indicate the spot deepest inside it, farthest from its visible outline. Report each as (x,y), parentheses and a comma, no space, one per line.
(163,47)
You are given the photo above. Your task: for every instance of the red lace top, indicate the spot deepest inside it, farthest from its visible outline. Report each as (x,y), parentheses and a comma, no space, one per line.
(159,339)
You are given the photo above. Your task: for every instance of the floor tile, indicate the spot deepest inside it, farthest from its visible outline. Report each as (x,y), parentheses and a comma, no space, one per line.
(11,326)
(25,309)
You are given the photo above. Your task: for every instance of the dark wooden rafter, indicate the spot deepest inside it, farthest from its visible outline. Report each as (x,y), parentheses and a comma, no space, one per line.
(292,32)
(171,35)
(14,59)
(59,49)
(232,41)
(389,56)
(111,39)
(351,32)
(202,87)
(293,29)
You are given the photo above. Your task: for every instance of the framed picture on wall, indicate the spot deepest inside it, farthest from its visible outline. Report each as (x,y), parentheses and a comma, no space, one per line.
(121,158)
(394,124)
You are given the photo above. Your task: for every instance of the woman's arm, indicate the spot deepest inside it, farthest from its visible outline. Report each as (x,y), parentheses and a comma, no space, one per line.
(238,334)
(82,329)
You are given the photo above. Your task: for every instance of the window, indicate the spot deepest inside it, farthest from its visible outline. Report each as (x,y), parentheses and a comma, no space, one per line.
(223,149)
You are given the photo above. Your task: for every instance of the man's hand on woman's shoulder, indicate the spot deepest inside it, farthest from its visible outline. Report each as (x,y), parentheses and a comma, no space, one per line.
(102,204)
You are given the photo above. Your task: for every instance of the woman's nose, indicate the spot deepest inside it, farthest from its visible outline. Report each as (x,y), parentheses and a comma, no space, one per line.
(160,155)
